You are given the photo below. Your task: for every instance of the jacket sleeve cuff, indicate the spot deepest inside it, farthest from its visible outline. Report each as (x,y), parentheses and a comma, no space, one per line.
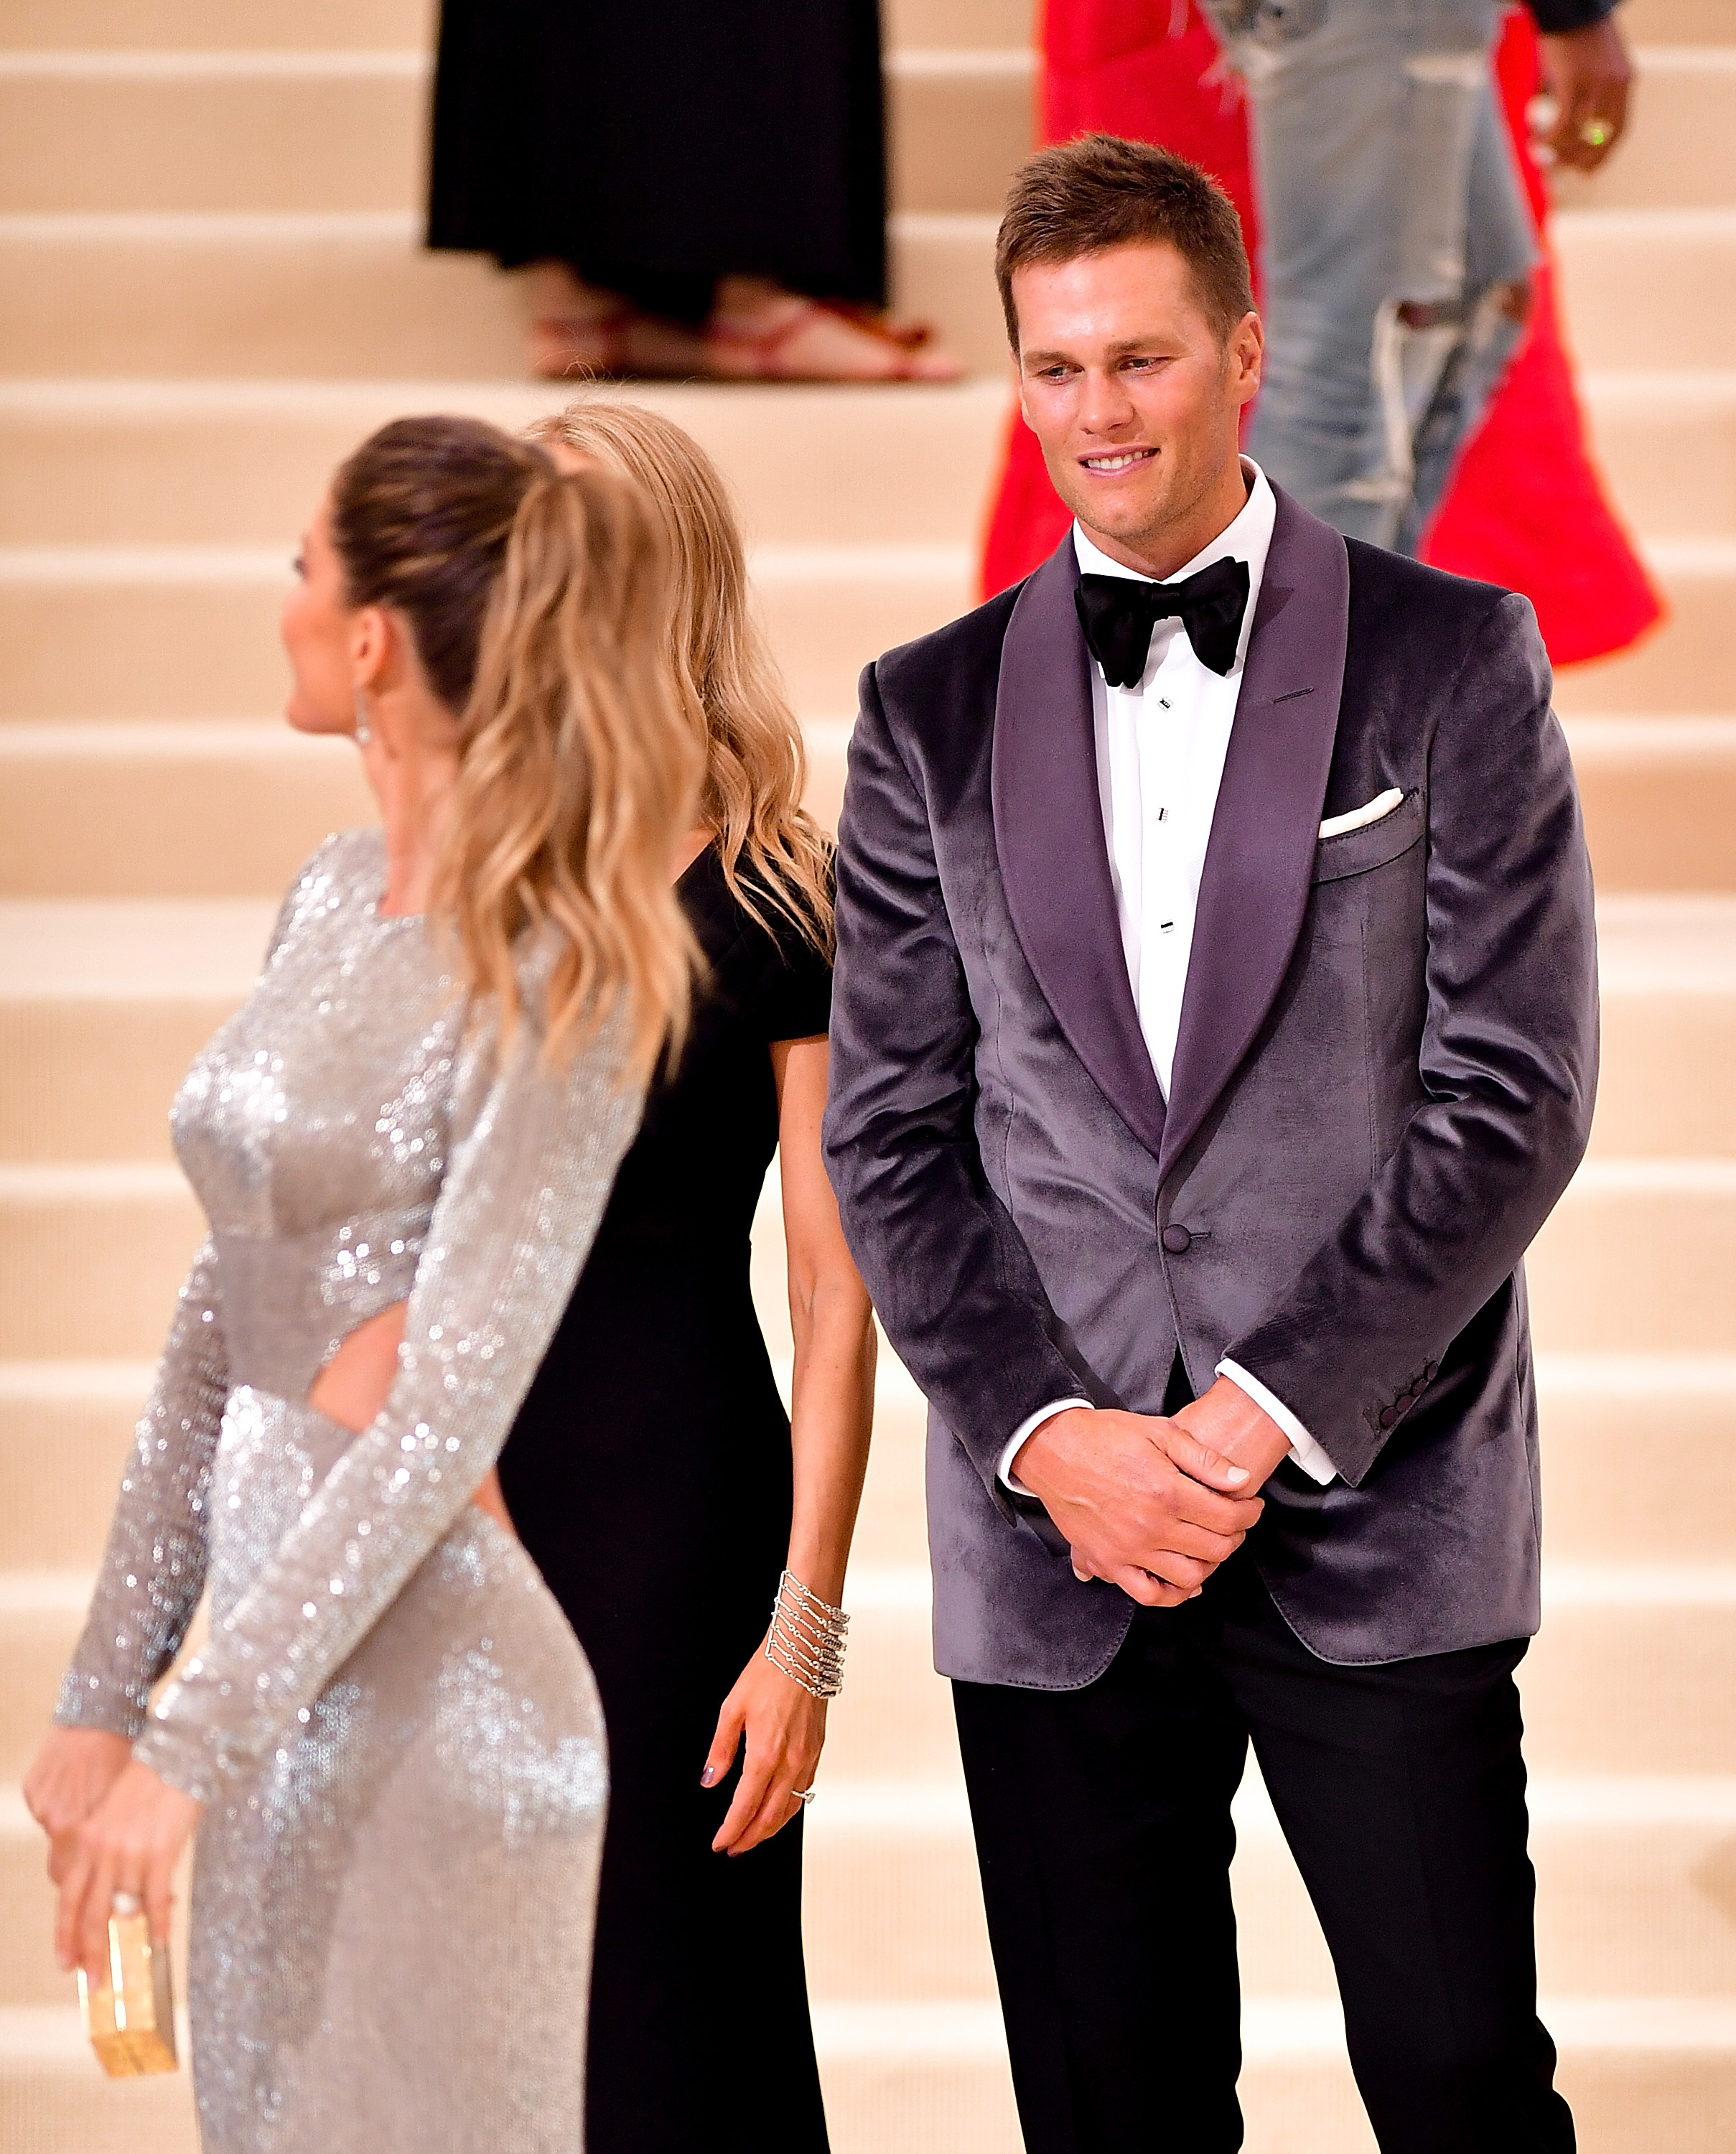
(1022,1434)
(1307,1453)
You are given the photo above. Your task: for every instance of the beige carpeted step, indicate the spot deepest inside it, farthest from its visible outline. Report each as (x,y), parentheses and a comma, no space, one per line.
(204,462)
(103,1006)
(65,1428)
(350,292)
(1686,665)
(1667,970)
(1635,1887)
(1679,21)
(929,2080)
(1667,441)
(192,631)
(1619,1675)
(1660,801)
(185,810)
(210,808)
(1637,1891)
(125,1232)
(231,130)
(228,130)
(377,24)
(1648,288)
(209,462)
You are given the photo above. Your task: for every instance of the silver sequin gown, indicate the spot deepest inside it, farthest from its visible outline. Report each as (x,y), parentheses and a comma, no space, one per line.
(392,1726)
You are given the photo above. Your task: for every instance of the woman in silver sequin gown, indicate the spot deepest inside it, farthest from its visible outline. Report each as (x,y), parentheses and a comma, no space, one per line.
(391,1746)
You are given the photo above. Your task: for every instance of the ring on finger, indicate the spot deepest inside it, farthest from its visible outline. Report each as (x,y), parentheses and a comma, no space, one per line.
(803,1795)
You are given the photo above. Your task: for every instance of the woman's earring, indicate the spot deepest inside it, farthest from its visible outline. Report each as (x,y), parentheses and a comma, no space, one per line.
(364,731)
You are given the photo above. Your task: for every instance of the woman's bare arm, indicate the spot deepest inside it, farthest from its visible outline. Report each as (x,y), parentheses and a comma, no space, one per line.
(832,1413)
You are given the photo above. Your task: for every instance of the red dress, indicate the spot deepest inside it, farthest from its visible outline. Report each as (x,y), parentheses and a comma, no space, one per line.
(1525,508)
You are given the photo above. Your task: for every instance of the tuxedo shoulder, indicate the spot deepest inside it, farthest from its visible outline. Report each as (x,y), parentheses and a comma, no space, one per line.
(948,661)
(1384,579)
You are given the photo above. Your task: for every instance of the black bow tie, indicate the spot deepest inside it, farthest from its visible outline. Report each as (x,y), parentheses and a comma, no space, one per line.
(1118,615)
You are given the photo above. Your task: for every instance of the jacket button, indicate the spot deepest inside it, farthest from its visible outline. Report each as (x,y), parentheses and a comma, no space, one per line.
(1177,1241)
(1388,1415)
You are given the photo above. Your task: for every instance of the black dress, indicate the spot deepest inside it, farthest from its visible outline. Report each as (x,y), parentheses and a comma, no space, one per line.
(658,148)
(649,1475)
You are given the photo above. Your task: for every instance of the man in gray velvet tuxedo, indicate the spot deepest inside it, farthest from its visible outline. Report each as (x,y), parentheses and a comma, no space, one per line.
(1214,1026)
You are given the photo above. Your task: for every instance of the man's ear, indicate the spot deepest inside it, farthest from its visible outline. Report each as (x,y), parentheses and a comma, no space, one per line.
(1246,355)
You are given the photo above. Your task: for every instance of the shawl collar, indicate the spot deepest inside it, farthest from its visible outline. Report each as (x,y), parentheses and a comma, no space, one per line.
(1259,860)
(1049,837)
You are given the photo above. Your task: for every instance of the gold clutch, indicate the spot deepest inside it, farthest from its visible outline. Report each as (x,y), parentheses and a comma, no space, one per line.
(131,2017)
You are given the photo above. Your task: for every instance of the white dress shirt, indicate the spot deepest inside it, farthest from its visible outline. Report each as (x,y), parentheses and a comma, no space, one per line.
(1161,748)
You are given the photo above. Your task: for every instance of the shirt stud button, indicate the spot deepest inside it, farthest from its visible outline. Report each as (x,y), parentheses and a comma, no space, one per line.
(1177,1241)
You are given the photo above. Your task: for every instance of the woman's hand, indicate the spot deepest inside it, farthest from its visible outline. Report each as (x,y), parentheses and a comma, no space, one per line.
(70,1775)
(129,1843)
(785,1728)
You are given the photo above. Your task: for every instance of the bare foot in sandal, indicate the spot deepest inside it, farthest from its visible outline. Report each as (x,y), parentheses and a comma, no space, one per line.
(760,332)
(577,330)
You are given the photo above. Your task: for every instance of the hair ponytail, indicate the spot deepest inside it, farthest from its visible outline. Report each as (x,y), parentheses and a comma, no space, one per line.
(578,774)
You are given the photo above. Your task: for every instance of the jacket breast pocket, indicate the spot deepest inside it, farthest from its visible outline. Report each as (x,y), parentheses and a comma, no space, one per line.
(1356,852)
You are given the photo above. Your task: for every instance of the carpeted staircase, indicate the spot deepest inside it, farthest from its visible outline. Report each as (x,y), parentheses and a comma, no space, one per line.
(208,251)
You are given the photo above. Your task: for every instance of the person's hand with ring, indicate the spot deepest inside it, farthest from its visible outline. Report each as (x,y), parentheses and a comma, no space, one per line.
(129,1843)
(779,1729)
(1590,76)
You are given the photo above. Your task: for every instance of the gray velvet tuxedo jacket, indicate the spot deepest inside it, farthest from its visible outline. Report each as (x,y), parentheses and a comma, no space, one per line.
(1383,1082)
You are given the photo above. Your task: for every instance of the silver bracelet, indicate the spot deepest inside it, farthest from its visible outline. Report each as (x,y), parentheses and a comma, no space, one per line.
(806,1639)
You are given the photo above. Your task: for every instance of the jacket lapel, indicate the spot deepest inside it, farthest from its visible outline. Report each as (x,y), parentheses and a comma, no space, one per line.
(1259,860)
(1049,836)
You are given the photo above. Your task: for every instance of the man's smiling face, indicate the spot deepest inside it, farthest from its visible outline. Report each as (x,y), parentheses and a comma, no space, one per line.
(1135,397)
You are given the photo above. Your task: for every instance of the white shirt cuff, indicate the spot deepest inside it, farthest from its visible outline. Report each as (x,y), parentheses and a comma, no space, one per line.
(1022,1434)
(1306,1452)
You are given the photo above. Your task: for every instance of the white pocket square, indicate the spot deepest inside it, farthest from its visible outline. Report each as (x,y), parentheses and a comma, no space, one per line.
(1383,803)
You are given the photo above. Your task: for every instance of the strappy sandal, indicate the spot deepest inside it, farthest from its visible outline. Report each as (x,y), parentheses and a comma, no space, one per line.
(726,348)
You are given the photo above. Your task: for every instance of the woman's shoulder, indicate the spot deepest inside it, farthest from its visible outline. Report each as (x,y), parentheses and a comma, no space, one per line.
(775,967)
(344,870)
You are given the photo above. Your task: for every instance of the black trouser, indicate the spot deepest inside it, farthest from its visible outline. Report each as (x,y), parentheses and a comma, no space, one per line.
(1102,1820)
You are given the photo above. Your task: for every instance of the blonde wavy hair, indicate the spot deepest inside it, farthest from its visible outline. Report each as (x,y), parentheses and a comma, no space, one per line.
(537,602)
(756,767)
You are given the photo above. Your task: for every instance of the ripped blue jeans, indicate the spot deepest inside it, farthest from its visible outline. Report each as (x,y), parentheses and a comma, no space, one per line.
(1394,224)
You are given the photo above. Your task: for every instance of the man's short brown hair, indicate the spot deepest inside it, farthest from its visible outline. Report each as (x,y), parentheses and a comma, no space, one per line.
(1100,190)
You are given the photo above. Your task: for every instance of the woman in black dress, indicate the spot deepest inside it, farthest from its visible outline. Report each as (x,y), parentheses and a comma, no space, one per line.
(652,1473)
(697,188)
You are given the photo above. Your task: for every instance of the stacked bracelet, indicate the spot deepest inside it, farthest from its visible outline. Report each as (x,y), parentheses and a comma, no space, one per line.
(806,1639)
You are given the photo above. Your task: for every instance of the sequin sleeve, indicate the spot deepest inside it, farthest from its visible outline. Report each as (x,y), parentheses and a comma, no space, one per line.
(518,1211)
(153,1568)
